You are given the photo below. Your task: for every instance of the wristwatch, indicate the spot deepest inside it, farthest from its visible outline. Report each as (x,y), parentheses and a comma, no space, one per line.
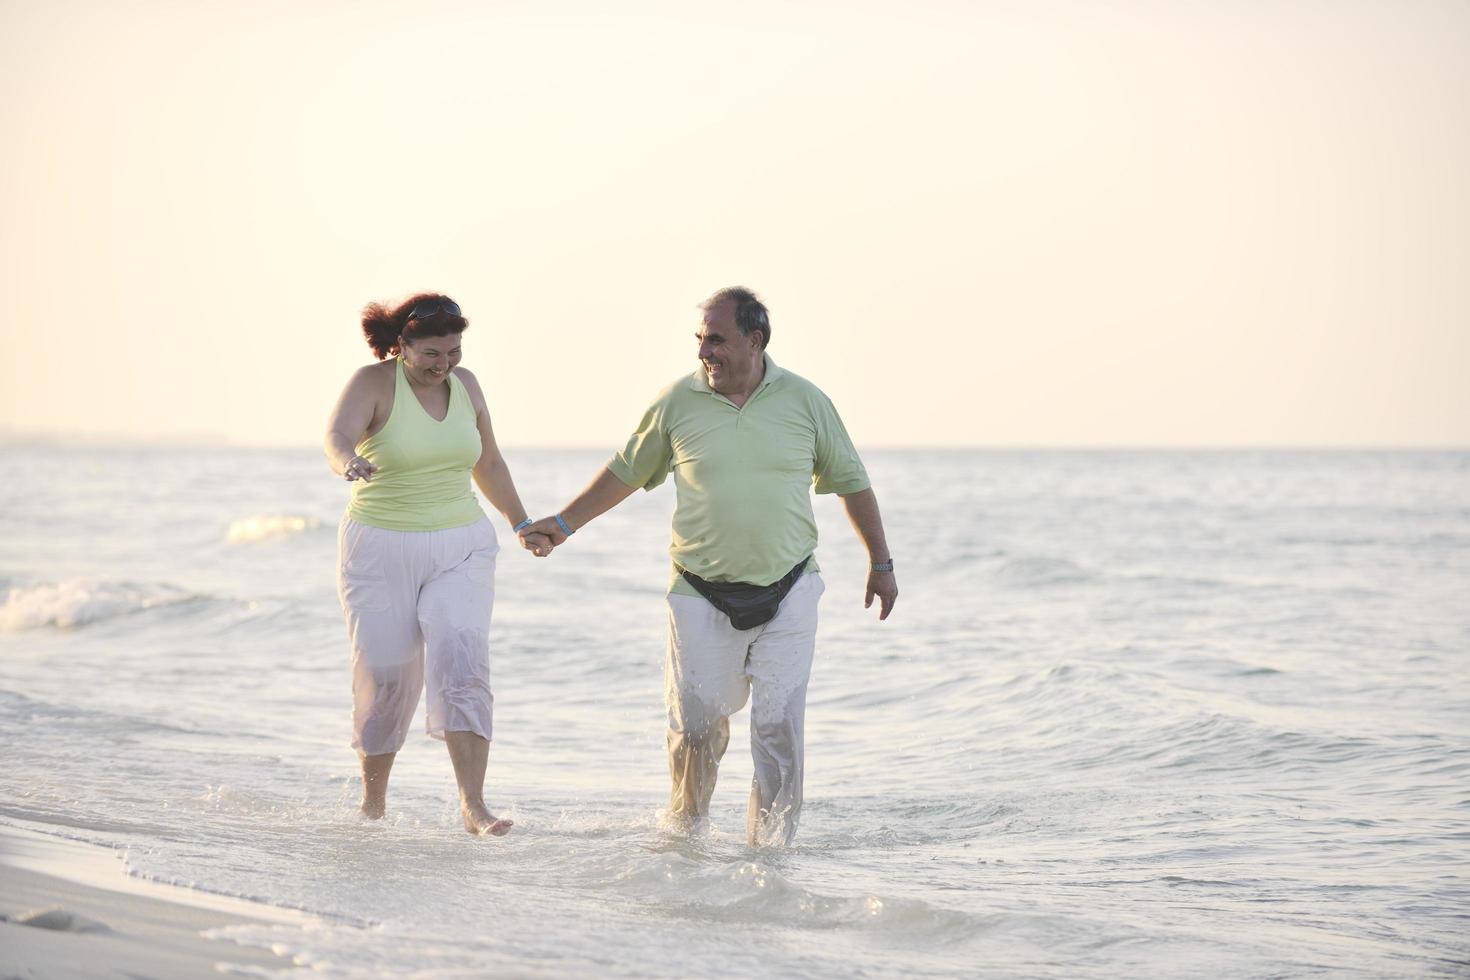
(883,566)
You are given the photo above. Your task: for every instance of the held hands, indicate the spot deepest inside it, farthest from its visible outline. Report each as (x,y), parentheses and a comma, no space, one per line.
(541,537)
(537,544)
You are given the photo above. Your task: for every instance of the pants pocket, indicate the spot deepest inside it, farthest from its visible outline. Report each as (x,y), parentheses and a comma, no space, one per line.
(479,567)
(480,570)
(362,582)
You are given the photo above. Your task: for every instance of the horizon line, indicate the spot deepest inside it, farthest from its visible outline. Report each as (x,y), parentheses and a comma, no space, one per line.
(207,441)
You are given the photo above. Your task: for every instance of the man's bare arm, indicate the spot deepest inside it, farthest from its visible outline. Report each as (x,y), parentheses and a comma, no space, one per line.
(862,510)
(604,493)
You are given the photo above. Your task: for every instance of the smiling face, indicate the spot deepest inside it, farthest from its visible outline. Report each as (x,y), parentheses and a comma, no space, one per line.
(732,360)
(428,360)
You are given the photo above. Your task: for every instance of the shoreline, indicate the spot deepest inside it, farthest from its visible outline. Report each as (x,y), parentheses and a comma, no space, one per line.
(104,922)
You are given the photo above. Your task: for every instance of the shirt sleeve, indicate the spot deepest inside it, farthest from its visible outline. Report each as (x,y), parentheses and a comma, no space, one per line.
(646,460)
(838,468)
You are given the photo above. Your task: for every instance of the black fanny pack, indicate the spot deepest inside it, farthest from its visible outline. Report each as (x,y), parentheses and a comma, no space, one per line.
(748,606)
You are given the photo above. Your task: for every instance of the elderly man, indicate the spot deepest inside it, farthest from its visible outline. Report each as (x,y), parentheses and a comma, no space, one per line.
(745,441)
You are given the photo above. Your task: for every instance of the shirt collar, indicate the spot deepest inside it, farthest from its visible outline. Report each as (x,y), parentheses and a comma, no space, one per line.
(773,373)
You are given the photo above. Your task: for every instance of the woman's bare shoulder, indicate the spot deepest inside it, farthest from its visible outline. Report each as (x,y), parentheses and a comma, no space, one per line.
(377,377)
(468,379)
(472,387)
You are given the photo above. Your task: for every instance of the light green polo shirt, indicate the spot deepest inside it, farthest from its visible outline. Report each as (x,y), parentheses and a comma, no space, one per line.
(744,476)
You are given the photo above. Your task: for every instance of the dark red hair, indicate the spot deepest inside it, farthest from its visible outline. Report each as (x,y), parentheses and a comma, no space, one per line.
(383,326)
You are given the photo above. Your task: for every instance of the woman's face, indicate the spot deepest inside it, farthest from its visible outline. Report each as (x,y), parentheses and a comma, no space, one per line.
(428,360)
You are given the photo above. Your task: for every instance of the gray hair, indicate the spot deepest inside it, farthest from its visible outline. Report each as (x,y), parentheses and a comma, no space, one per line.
(750,312)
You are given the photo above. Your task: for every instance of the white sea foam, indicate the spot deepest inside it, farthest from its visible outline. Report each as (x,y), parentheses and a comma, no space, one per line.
(263,527)
(77,602)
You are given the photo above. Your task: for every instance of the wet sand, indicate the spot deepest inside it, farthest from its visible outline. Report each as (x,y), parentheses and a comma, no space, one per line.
(70,911)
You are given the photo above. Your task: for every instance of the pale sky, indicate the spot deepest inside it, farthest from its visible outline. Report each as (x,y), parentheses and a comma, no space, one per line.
(1028,223)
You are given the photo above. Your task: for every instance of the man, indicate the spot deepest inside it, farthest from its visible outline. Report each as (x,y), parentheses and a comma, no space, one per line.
(745,441)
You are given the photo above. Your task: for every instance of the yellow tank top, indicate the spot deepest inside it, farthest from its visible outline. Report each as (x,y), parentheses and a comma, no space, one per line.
(423,477)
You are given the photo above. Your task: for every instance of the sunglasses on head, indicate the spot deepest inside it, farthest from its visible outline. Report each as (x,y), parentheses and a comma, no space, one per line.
(430,307)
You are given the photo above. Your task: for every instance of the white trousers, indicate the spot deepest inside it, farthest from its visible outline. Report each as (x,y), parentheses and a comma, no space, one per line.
(711,670)
(418,607)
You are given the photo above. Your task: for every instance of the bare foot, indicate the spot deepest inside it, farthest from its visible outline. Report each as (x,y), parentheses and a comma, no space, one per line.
(478,820)
(681,822)
(372,809)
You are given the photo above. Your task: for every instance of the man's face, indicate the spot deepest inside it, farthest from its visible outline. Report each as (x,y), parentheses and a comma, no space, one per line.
(731,359)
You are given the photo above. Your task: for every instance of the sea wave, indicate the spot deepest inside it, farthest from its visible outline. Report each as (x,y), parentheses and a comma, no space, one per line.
(1034,571)
(264,527)
(753,892)
(79,602)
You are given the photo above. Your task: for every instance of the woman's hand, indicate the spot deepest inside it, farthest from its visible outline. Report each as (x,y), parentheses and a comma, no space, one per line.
(359,469)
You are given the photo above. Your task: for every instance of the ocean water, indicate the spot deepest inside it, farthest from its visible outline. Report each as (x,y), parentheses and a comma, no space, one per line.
(1136,714)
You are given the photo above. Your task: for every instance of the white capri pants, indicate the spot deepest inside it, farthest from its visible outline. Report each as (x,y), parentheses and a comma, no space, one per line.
(711,670)
(418,607)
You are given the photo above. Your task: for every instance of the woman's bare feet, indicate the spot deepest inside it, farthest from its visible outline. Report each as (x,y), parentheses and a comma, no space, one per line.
(478,820)
(470,753)
(375,770)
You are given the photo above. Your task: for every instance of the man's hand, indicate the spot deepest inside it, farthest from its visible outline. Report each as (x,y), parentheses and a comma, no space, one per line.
(885,587)
(541,537)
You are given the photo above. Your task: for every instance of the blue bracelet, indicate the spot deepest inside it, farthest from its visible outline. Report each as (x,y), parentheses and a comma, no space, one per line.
(561,523)
(523,524)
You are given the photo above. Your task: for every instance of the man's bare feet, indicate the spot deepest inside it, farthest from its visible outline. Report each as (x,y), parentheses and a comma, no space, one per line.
(478,820)
(372,809)
(682,822)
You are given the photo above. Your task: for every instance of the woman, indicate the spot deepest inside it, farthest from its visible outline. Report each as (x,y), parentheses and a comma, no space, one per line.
(416,554)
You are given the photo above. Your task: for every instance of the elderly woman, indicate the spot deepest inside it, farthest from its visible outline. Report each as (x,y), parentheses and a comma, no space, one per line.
(416,554)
